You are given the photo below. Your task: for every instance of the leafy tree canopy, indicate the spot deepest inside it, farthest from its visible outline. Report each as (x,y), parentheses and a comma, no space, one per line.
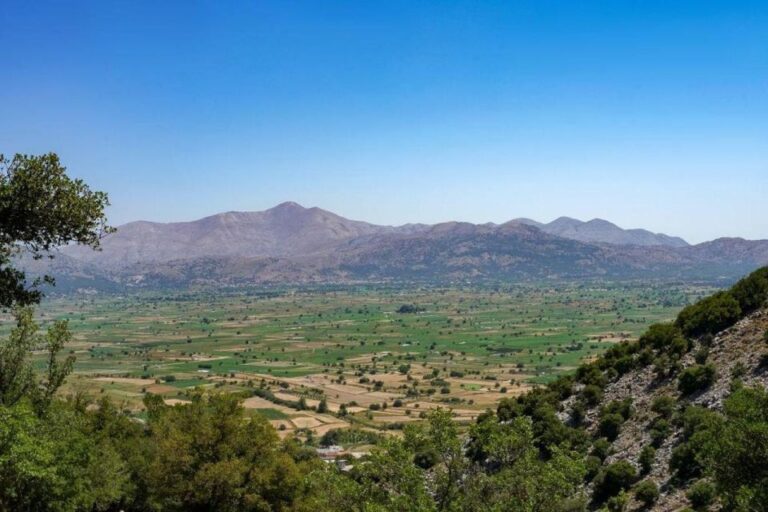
(41,208)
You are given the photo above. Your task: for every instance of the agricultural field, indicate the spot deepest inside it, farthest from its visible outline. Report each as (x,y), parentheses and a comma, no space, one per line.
(312,361)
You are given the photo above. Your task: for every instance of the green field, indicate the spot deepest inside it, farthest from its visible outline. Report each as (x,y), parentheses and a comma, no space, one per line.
(465,347)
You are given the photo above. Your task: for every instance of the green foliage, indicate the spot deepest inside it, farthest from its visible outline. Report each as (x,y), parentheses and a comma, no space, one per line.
(665,338)
(710,315)
(664,406)
(647,456)
(696,378)
(752,291)
(687,458)
(41,208)
(701,494)
(18,380)
(51,463)
(592,394)
(601,448)
(647,492)
(613,479)
(735,450)
(659,431)
(206,455)
(610,426)
(350,436)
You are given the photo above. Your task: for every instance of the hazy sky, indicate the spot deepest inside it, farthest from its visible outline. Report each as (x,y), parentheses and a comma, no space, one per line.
(648,113)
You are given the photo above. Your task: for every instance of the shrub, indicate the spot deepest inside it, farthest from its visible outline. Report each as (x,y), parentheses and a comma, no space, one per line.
(601,449)
(701,355)
(622,407)
(752,291)
(617,503)
(664,406)
(592,465)
(647,456)
(696,378)
(701,494)
(610,426)
(613,479)
(739,370)
(592,394)
(660,429)
(665,338)
(710,315)
(647,492)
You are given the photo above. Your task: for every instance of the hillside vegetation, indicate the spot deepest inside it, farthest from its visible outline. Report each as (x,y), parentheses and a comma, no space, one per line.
(678,418)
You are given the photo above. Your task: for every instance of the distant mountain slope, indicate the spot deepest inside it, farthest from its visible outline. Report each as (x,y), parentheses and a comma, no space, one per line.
(602,231)
(285,230)
(293,244)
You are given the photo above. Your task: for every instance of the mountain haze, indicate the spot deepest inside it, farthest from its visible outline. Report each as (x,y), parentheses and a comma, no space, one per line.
(293,244)
(602,231)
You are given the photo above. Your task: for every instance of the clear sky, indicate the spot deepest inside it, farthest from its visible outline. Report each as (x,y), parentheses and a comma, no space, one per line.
(647,113)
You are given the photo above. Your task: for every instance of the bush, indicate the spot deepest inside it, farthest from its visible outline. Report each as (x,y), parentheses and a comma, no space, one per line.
(601,449)
(701,494)
(647,456)
(647,492)
(592,466)
(592,394)
(701,355)
(613,479)
(710,315)
(752,291)
(610,426)
(660,429)
(622,407)
(696,378)
(617,503)
(664,406)
(665,338)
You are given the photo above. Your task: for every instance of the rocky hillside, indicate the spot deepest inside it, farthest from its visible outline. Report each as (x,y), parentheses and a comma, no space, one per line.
(677,419)
(736,355)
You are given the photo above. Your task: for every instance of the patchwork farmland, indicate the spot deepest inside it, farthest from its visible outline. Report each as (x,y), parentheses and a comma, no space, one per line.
(316,360)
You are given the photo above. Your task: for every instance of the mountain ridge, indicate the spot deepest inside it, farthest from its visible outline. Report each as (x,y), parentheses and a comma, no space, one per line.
(293,244)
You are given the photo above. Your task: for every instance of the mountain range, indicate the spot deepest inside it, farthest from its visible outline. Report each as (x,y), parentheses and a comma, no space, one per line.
(293,244)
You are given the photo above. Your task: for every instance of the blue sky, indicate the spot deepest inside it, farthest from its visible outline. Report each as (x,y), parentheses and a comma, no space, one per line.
(648,113)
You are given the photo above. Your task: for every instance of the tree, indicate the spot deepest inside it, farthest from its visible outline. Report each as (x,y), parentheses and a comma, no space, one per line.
(41,208)
(735,450)
(696,378)
(710,315)
(18,379)
(206,456)
(53,464)
(440,436)
(647,492)
(613,479)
